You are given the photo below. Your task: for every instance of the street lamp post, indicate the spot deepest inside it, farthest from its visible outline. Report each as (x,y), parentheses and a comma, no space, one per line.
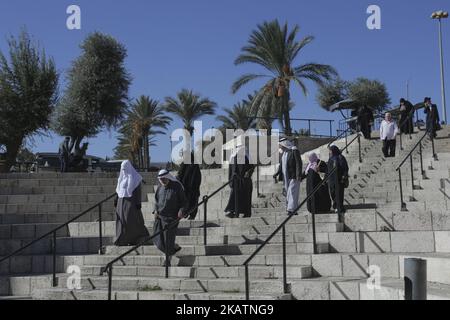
(439,15)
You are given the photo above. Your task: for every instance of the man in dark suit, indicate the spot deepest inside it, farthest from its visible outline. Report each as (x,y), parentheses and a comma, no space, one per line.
(432,113)
(64,154)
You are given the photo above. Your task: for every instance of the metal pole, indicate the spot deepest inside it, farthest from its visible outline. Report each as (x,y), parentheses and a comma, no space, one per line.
(54,280)
(415,279)
(285,284)
(313,221)
(167,254)
(247,284)
(444,108)
(359,148)
(346,140)
(401,141)
(331,129)
(412,172)
(236,203)
(432,146)
(257,167)
(421,161)
(110,273)
(309,127)
(205,220)
(100,231)
(337,189)
(403,204)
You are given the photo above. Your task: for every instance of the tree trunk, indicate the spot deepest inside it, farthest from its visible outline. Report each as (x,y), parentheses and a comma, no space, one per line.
(286,116)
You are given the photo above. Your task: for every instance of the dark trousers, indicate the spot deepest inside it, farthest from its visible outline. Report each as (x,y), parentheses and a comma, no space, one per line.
(389,148)
(64,160)
(337,195)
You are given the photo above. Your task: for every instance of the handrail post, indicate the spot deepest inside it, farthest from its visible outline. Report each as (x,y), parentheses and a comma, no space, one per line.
(110,274)
(401,141)
(412,171)
(309,127)
(285,284)
(359,148)
(346,141)
(331,129)
(434,150)
(421,161)
(313,221)
(337,189)
(403,204)
(100,230)
(205,220)
(247,284)
(54,280)
(166,263)
(257,166)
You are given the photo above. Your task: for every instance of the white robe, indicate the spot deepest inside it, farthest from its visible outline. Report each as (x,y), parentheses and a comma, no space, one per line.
(291,186)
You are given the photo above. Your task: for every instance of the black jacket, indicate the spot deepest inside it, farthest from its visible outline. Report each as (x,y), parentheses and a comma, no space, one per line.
(294,166)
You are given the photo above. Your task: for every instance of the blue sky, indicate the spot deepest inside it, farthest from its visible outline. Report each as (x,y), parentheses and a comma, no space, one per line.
(177,44)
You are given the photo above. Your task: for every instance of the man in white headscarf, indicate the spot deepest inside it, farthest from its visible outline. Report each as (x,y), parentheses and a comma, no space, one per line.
(240,171)
(170,204)
(130,227)
(292,170)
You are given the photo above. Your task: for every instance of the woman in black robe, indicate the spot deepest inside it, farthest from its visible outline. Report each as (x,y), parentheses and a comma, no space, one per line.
(241,171)
(190,177)
(365,120)
(130,226)
(321,202)
(338,180)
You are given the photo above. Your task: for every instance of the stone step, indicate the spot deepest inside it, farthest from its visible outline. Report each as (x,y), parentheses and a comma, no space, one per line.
(72,245)
(214,250)
(214,272)
(156,295)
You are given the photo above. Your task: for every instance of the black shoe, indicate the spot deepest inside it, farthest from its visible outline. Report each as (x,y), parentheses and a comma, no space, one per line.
(231,215)
(177,249)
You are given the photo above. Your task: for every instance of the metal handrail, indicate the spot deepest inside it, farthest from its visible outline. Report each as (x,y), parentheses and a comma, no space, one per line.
(282,227)
(54,238)
(409,156)
(109,267)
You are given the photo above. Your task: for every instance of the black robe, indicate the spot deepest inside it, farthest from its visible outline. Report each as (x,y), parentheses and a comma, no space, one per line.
(406,119)
(169,200)
(190,177)
(241,188)
(336,181)
(365,121)
(130,226)
(432,120)
(322,200)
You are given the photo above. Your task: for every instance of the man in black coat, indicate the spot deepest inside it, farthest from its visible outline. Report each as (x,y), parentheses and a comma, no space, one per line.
(406,117)
(432,113)
(365,121)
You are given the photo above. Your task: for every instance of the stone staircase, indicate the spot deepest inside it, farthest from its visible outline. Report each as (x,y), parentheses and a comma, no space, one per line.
(375,233)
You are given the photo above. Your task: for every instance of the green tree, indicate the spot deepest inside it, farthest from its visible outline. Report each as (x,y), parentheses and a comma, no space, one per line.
(145,119)
(97,91)
(275,48)
(28,94)
(238,117)
(332,92)
(370,93)
(189,107)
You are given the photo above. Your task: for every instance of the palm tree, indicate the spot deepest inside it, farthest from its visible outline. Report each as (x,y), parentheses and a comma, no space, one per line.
(189,107)
(275,48)
(144,120)
(238,117)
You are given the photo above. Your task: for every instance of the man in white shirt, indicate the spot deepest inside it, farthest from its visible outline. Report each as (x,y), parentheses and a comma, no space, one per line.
(388,134)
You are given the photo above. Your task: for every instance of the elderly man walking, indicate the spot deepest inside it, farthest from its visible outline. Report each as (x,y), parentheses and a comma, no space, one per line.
(170,204)
(388,135)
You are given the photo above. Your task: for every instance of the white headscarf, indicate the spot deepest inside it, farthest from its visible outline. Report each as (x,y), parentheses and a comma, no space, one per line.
(288,144)
(241,152)
(167,175)
(128,181)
